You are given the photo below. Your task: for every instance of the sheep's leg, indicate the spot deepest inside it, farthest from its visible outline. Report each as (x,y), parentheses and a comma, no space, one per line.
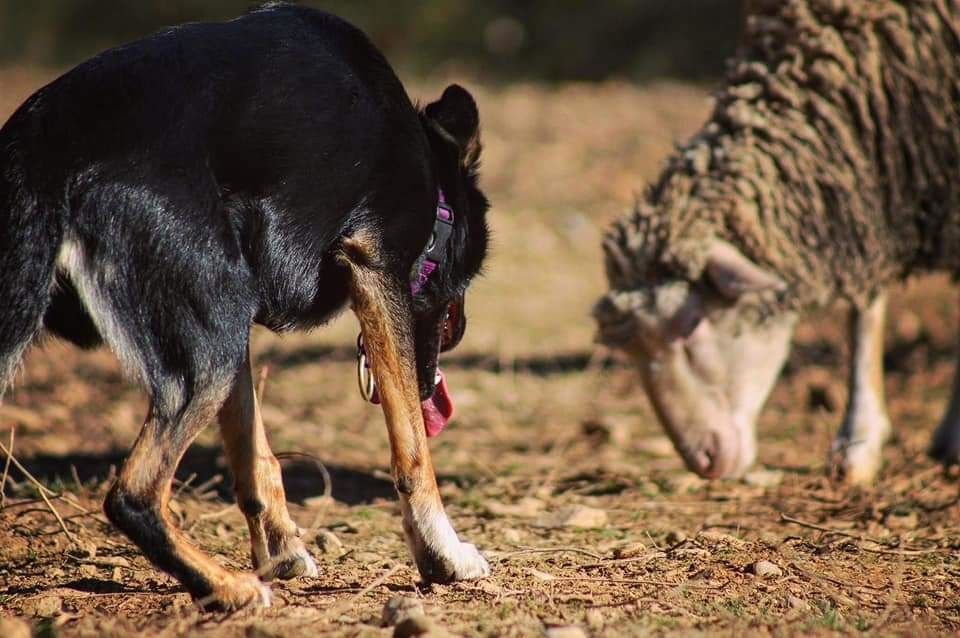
(945,445)
(856,453)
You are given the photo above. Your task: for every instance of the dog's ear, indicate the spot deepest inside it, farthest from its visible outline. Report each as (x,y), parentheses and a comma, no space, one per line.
(457,117)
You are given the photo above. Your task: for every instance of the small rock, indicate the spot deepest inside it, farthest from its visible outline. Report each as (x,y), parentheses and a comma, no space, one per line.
(511,535)
(714,536)
(367,558)
(539,575)
(415,625)
(112,561)
(766,569)
(763,478)
(569,631)
(87,571)
(579,516)
(83,549)
(399,608)
(527,507)
(630,550)
(328,543)
(116,575)
(43,607)
(14,628)
(797,603)
(898,521)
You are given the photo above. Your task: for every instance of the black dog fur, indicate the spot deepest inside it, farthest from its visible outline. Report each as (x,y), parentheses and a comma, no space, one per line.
(167,194)
(207,174)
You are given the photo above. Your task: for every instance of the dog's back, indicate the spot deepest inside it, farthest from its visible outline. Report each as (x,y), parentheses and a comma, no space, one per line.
(204,131)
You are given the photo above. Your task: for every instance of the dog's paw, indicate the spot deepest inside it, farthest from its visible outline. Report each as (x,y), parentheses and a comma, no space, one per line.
(237,591)
(470,564)
(462,562)
(296,562)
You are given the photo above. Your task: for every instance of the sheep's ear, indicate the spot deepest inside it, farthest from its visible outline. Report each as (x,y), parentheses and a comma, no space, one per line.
(733,274)
(457,117)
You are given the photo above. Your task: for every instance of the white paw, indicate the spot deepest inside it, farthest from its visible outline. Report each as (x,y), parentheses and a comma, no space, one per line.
(470,563)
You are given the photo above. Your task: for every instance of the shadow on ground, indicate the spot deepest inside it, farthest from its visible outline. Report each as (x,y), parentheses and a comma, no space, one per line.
(203,469)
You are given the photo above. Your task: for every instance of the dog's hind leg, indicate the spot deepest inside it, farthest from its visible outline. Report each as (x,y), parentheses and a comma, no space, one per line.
(138,502)
(386,320)
(277,550)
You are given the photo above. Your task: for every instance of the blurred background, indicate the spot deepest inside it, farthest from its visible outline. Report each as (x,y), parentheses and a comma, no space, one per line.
(551,40)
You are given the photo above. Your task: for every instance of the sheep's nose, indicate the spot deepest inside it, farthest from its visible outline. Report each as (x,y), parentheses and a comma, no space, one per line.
(717,456)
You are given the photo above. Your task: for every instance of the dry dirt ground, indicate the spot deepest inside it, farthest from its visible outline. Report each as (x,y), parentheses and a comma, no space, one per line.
(554,466)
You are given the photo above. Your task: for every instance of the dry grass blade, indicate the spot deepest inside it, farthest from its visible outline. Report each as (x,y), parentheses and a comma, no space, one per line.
(262,382)
(6,470)
(43,491)
(883,548)
(327,480)
(636,581)
(548,550)
(340,607)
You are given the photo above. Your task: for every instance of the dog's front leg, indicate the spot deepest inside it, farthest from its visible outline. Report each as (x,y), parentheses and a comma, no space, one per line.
(386,320)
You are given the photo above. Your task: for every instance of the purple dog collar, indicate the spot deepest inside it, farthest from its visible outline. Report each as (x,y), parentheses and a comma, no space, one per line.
(436,250)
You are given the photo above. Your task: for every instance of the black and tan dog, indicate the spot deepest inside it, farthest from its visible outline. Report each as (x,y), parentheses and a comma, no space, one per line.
(165,195)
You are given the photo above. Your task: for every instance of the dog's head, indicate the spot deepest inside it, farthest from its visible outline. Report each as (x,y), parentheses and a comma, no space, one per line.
(452,124)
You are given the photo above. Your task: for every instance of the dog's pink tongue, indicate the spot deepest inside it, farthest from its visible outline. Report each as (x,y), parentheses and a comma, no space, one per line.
(438,409)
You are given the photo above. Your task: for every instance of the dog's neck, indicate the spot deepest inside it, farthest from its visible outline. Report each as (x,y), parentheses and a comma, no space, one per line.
(436,249)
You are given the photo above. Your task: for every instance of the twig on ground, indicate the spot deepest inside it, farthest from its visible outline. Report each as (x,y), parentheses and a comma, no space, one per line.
(835,581)
(184,485)
(56,514)
(26,473)
(633,581)
(203,491)
(621,561)
(43,491)
(221,512)
(549,550)
(337,608)
(6,470)
(884,548)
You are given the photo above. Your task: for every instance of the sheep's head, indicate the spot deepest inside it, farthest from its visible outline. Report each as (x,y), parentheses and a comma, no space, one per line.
(708,349)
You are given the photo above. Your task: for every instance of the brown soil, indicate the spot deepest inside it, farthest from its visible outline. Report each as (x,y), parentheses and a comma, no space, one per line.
(545,423)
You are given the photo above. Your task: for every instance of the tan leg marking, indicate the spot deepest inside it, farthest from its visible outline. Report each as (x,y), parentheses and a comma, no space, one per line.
(866,427)
(138,505)
(276,548)
(386,321)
